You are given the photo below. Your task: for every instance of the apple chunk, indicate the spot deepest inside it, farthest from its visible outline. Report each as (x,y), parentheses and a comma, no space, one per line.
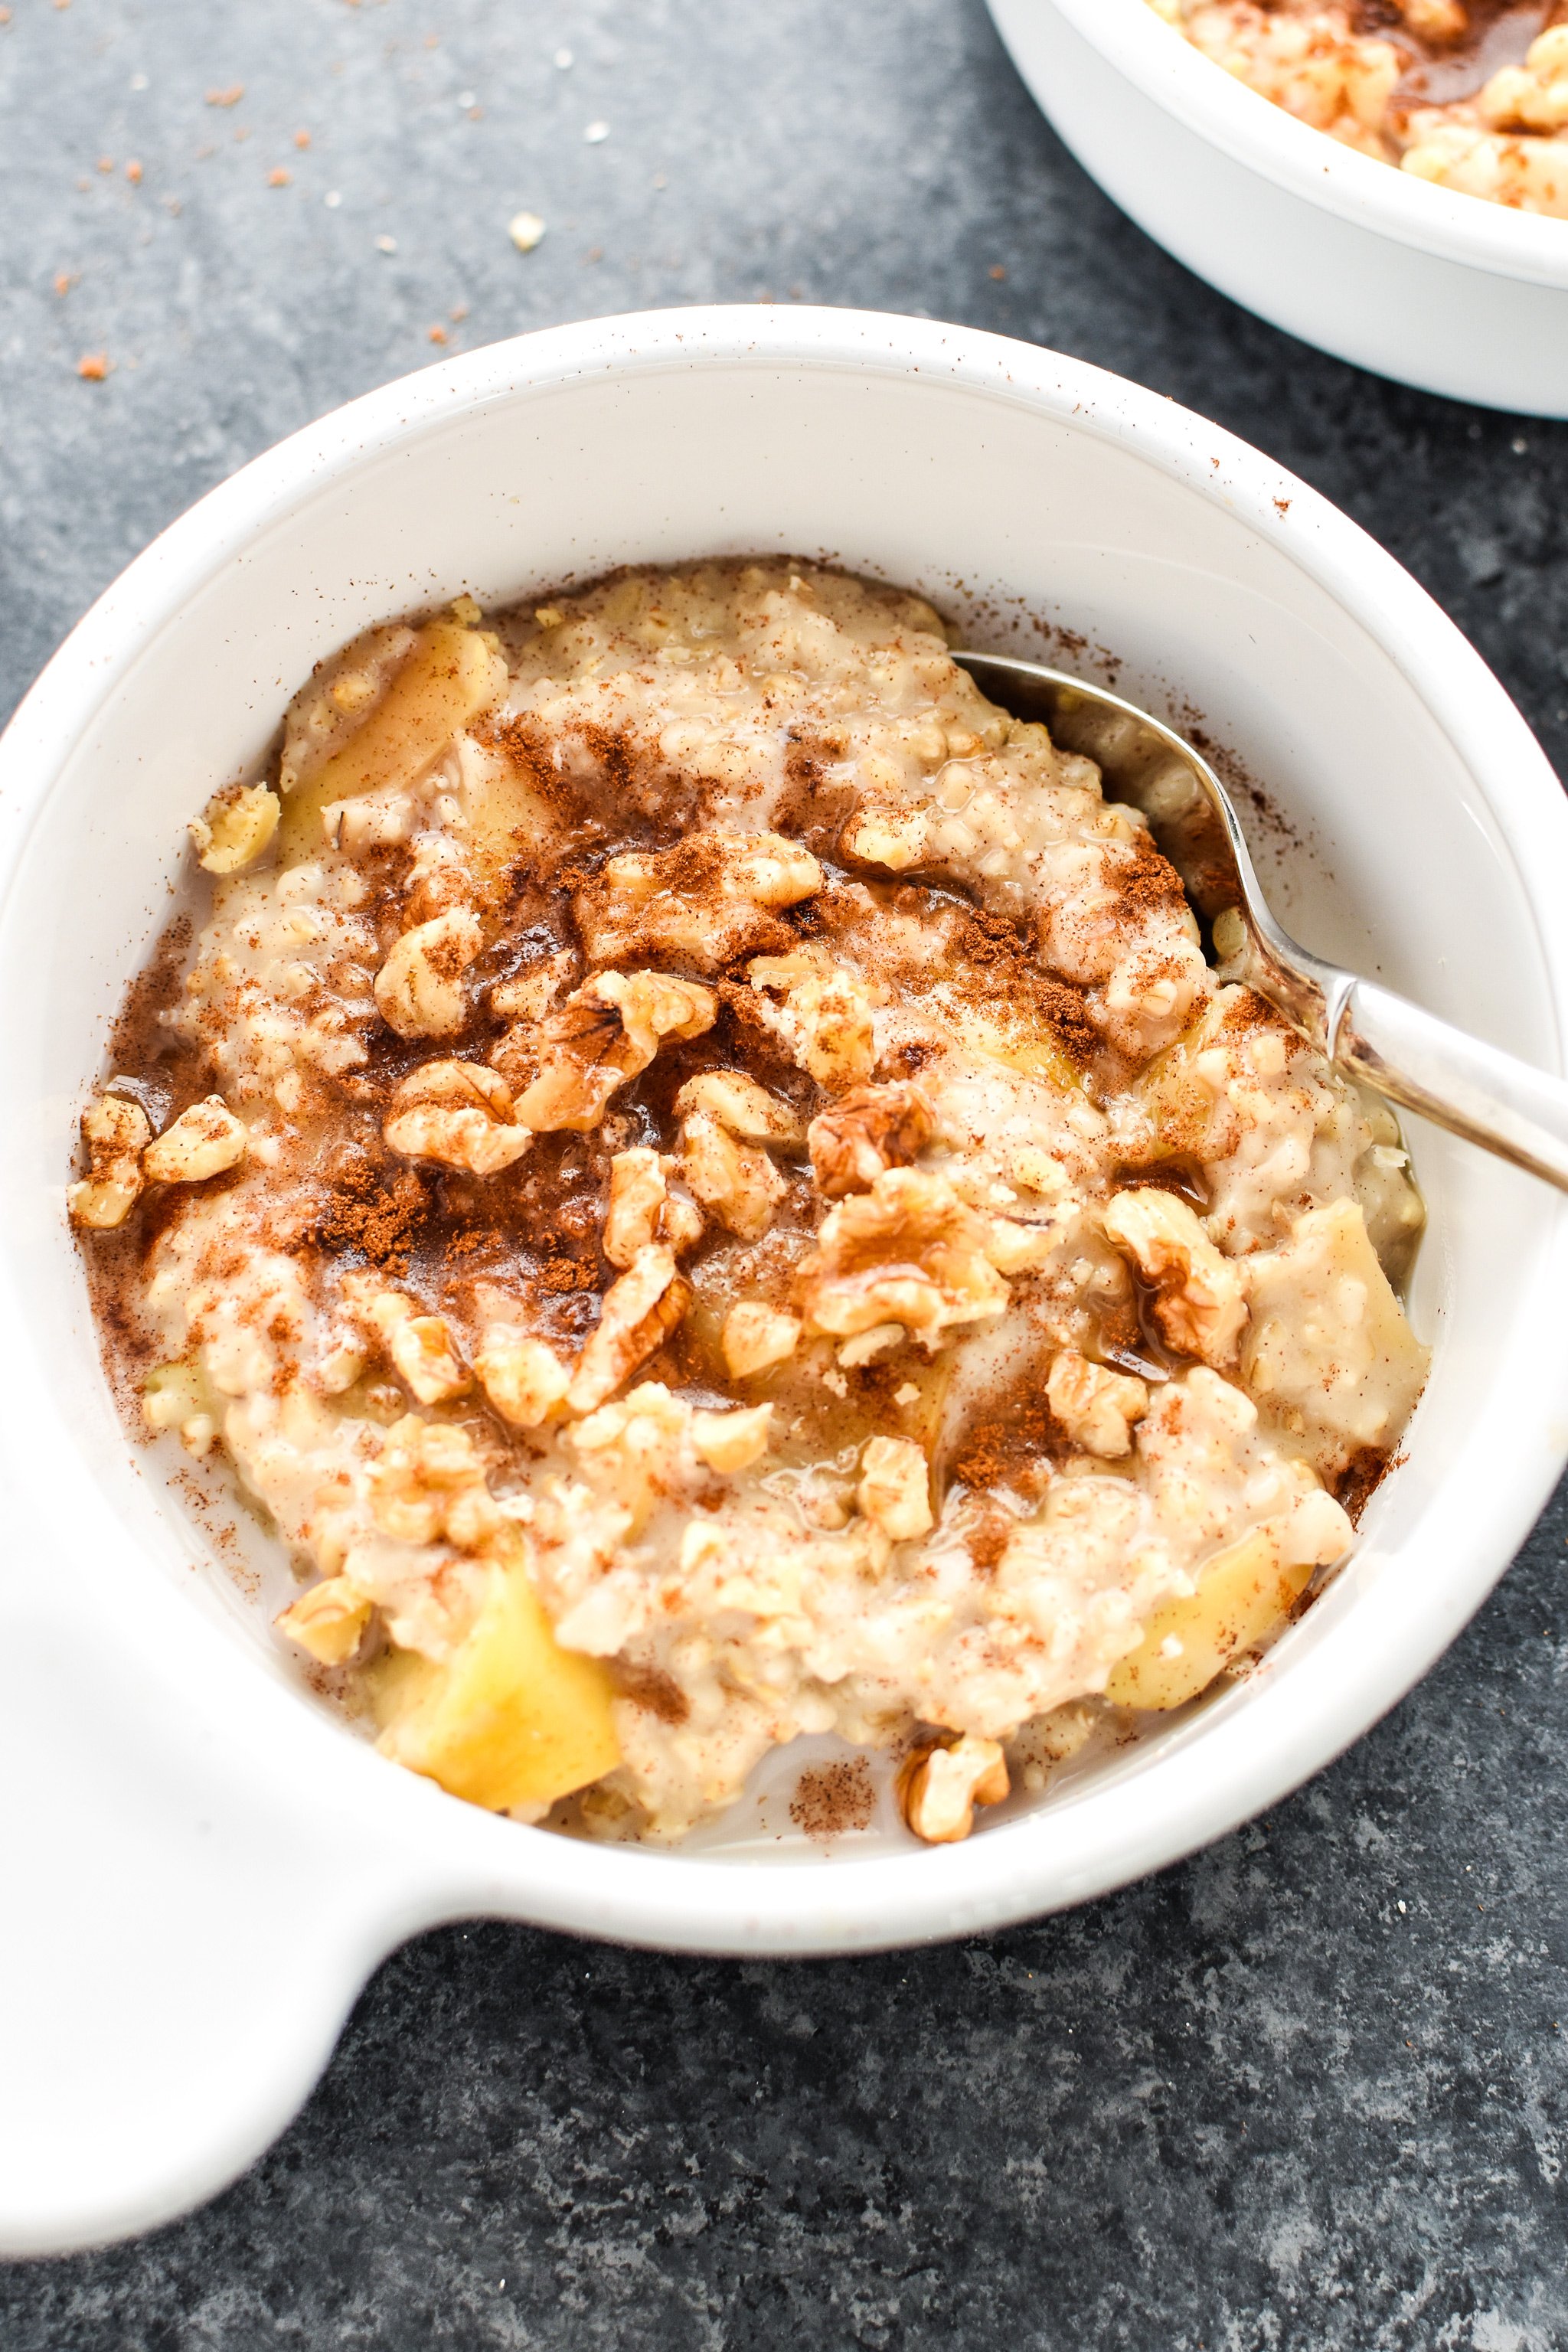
(511,1718)
(1244,1591)
(450,675)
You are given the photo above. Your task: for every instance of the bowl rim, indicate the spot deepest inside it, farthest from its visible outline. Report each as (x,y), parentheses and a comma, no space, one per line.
(459,1863)
(1250,129)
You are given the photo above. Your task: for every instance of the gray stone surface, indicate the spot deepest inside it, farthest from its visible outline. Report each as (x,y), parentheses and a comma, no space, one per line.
(1308,2091)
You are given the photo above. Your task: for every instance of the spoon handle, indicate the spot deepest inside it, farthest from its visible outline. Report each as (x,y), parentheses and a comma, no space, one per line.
(1475,1090)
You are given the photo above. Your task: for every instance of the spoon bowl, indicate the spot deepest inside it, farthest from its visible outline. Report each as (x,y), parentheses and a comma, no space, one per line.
(1423,1063)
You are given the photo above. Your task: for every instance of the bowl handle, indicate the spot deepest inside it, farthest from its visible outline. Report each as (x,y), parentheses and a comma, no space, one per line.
(186,1919)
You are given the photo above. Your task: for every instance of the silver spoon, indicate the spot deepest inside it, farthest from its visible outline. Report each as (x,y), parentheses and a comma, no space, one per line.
(1414,1059)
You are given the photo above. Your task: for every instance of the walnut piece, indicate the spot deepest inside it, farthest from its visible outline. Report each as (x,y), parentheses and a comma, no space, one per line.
(116,1133)
(1434,20)
(1097,1407)
(895,1487)
(641,1442)
(422,1352)
(419,988)
(638,1315)
(740,1104)
(239,824)
(523,1377)
(459,1113)
(529,993)
(429,1483)
(1530,97)
(180,1396)
(329,1621)
(727,1117)
(1017,1248)
(605,1033)
(867,1131)
(737,1182)
(825,1016)
(642,1208)
(1199,1302)
(756,1337)
(940,1787)
(637,1195)
(732,1441)
(909,1251)
(867,1346)
(702,902)
(203,1141)
(895,838)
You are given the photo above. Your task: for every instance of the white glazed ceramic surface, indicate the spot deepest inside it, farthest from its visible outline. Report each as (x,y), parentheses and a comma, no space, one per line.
(1435,289)
(201,1864)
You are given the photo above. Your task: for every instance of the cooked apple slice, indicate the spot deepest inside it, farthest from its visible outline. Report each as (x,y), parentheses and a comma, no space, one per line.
(449,677)
(1244,1591)
(511,1718)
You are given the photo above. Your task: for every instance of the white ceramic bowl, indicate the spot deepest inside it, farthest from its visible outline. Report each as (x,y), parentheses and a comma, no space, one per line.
(1437,289)
(201,1864)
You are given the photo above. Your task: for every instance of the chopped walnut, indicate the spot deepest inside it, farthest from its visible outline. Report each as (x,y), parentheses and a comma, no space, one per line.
(116,1133)
(732,1441)
(339,1367)
(642,1437)
(239,824)
(1199,1303)
(1035,1170)
(1529,96)
(681,1221)
(429,1483)
(867,1346)
(329,1621)
(523,1378)
(440,881)
(638,1315)
(1016,1248)
(654,1005)
(605,1033)
(703,902)
(940,1787)
(422,1352)
(1097,1407)
(757,1337)
(202,1142)
(895,1487)
(459,1113)
(643,1209)
(1434,20)
(637,1195)
(419,988)
(739,1103)
(737,1182)
(867,1131)
(894,838)
(180,1396)
(529,994)
(909,1251)
(825,1018)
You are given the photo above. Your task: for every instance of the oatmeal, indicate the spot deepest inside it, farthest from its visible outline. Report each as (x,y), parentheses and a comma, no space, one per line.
(699,1174)
(1470,94)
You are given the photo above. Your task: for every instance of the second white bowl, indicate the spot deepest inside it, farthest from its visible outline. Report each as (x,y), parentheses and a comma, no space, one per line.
(1440,290)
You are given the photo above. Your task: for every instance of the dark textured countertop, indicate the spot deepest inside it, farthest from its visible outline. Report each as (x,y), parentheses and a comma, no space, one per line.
(1308,2091)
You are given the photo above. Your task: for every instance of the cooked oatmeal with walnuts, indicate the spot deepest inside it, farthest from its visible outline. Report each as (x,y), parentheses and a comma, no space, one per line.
(698,1171)
(1469,94)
